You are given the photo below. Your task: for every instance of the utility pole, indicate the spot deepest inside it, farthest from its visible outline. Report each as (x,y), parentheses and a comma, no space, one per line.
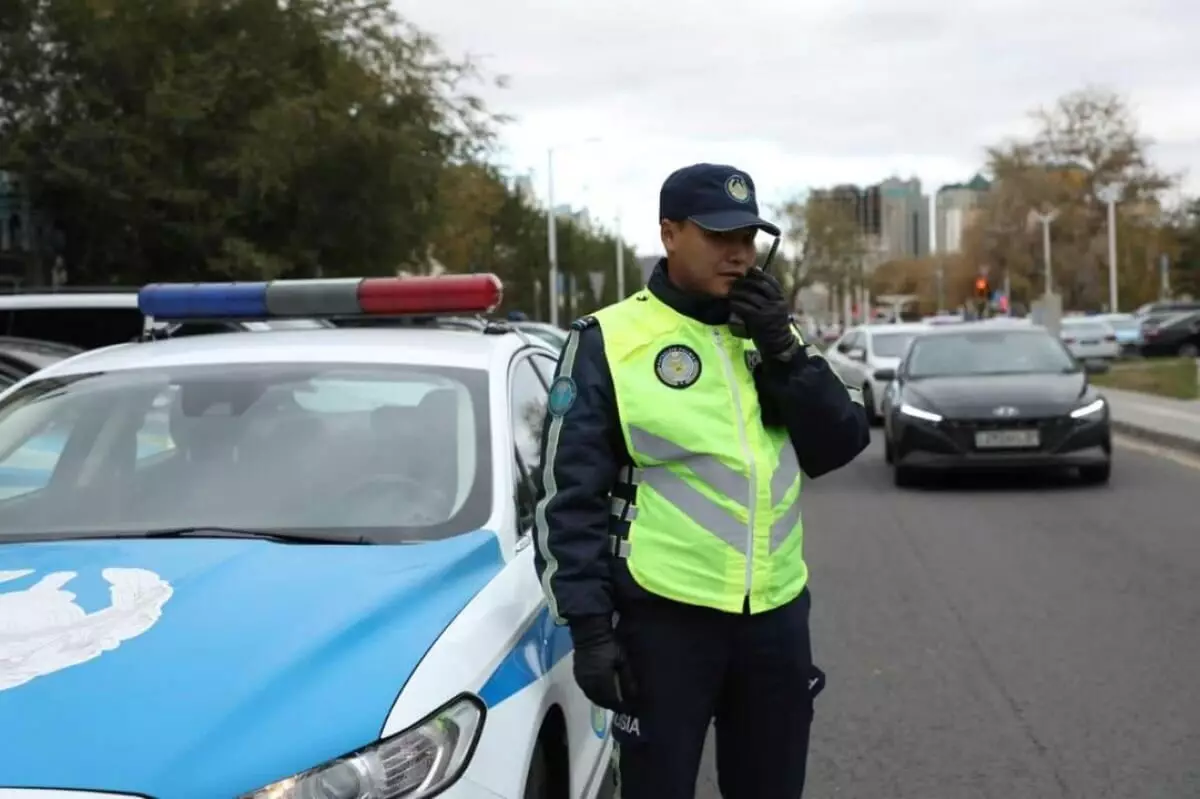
(1045,218)
(1110,194)
(552,229)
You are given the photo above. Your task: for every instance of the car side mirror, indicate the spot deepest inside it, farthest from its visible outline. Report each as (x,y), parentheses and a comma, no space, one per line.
(857,354)
(1095,367)
(885,374)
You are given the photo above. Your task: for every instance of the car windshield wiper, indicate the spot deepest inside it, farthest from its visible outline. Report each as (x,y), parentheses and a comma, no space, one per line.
(280,536)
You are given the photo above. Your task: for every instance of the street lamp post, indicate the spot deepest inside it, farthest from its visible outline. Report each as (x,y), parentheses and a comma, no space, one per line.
(620,260)
(1046,217)
(1111,194)
(552,236)
(552,227)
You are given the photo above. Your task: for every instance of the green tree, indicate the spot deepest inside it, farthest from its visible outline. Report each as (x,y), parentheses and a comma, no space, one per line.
(1185,268)
(184,139)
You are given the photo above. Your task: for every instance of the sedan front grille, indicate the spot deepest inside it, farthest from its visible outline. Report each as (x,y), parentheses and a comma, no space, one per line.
(1053,430)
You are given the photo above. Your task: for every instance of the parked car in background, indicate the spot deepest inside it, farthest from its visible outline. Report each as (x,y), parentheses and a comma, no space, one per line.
(21,357)
(867,357)
(1177,335)
(1128,329)
(1166,307)
(1090,338)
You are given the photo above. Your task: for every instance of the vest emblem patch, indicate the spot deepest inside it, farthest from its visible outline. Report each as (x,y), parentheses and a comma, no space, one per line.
(677,366)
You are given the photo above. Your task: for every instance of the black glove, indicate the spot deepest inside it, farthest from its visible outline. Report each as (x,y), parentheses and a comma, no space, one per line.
(601,669)
(757,298)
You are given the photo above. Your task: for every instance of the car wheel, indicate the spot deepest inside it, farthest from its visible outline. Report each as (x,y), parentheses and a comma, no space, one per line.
(537,782)
(1097,474)
(1188,351)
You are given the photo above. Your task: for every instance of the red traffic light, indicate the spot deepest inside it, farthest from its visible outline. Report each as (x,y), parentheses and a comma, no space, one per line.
(981,286)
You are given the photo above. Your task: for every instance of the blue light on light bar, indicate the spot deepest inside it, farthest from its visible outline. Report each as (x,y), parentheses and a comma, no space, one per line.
(204,300)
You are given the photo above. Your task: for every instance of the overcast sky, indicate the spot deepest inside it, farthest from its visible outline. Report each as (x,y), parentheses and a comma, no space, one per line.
(804,93)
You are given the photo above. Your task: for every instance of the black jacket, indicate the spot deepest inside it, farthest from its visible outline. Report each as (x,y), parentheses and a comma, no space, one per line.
(583,450)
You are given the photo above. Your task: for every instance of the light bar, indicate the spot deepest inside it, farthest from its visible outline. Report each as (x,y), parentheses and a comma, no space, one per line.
(341,297)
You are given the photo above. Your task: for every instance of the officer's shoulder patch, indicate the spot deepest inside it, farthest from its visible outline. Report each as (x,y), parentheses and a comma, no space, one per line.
(753,359)
(562,395)
(677,366)
(584,322)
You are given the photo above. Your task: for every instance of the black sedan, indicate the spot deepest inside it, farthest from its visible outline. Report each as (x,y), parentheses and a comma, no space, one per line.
(988,397)
(21,357)
(1175,335)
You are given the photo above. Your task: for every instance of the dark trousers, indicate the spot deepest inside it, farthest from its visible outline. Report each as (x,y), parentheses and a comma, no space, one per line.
(753,674)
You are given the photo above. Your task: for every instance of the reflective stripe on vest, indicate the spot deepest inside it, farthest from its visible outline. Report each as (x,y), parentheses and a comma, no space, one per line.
(722,480)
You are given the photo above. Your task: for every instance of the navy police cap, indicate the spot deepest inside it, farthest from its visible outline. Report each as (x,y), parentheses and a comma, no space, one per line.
(713,196)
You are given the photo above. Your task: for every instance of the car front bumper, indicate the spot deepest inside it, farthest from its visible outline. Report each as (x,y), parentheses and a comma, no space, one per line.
(950,444)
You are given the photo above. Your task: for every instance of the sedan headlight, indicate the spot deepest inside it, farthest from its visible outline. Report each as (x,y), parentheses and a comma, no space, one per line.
(1091,409)
(917,413)
(419,762)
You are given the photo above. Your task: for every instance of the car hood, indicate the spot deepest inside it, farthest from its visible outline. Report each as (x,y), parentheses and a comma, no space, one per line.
(211,667)
(978,397)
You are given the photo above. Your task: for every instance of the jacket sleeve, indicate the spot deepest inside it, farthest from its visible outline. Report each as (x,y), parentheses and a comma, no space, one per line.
(825,419)
(582,452)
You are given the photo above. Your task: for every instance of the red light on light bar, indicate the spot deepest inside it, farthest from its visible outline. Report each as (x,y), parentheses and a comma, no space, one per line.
(479,293)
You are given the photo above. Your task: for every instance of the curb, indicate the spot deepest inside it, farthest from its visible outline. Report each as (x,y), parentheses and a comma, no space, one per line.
(1159,437)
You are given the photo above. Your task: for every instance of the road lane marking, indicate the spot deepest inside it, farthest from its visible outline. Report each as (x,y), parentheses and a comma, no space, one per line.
(1146,448)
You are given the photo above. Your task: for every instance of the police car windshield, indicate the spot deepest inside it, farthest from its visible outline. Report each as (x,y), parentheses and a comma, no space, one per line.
(392,454)
(988,352)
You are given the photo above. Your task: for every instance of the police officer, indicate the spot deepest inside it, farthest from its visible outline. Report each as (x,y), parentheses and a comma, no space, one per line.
(682,423)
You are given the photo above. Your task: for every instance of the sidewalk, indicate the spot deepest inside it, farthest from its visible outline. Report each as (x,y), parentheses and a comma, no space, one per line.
(1170,422)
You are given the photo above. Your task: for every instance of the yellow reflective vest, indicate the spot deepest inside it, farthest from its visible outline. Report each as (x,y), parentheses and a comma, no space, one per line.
(716,521)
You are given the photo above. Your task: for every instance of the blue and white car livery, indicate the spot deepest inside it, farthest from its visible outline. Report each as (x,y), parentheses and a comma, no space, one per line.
(288,564)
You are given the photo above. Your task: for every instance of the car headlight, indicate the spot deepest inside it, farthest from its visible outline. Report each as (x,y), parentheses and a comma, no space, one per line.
(1091,409)
(422,761)
(917,413)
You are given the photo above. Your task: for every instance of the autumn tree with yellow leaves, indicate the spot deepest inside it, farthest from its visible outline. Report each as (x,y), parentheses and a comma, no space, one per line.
(829,247)
(1085,142)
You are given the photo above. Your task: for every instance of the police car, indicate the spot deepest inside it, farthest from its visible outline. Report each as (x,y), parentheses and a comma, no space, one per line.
(292,564)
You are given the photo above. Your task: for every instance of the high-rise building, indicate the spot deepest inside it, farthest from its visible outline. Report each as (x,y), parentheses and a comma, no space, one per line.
(862,203)
(904,212)
(956,205)
(892,216)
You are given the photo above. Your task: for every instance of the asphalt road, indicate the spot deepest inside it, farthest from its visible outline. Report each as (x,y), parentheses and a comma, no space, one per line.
(1005,638)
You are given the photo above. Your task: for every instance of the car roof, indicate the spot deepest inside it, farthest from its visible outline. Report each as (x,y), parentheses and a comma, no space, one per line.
(988,325)
(900,327)
(421,346)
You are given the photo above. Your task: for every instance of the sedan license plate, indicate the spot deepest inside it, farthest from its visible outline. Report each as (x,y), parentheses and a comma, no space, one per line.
(1007,439)
(1091,342)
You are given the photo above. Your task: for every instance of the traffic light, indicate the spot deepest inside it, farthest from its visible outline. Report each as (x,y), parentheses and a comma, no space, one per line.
(982,289)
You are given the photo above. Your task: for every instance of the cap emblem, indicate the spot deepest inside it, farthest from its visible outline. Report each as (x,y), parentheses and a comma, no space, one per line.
(737,188)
